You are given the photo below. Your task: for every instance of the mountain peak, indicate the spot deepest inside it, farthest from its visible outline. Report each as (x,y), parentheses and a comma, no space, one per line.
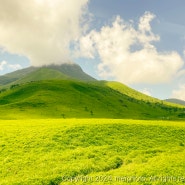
(68,70)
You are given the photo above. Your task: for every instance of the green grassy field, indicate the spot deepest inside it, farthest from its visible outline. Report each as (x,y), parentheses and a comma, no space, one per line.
(91,151)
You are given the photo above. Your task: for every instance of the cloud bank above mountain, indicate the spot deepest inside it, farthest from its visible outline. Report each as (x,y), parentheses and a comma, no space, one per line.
(49,31)
(128,54)
(41,30)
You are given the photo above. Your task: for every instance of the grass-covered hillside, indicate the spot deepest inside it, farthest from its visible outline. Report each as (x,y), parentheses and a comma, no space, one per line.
(66,91)
(92,151)
(74,99)
(63,71)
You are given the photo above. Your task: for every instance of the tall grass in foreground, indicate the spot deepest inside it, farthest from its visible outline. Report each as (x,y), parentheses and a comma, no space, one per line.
(92,151)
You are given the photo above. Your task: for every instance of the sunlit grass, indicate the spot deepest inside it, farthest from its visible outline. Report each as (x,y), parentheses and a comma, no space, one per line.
(55,151)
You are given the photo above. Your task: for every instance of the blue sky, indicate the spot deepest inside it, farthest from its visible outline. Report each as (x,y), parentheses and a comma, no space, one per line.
(139,43)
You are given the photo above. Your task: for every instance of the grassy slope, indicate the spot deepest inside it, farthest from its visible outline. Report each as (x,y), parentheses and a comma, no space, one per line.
(70,99)
(14,76)
(42,74)
(137,95)
(44,151)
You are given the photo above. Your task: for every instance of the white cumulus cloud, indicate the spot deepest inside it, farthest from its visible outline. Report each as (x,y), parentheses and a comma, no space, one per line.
(179,93)
(2,65)
(146,91)
(128,53)
(41,30)
(5,65)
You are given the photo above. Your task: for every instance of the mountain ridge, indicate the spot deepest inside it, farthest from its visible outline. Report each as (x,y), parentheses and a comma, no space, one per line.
(66,70)
(176,101)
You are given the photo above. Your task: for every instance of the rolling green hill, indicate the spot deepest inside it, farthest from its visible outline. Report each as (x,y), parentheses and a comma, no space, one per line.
(75,99)
(65,91)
